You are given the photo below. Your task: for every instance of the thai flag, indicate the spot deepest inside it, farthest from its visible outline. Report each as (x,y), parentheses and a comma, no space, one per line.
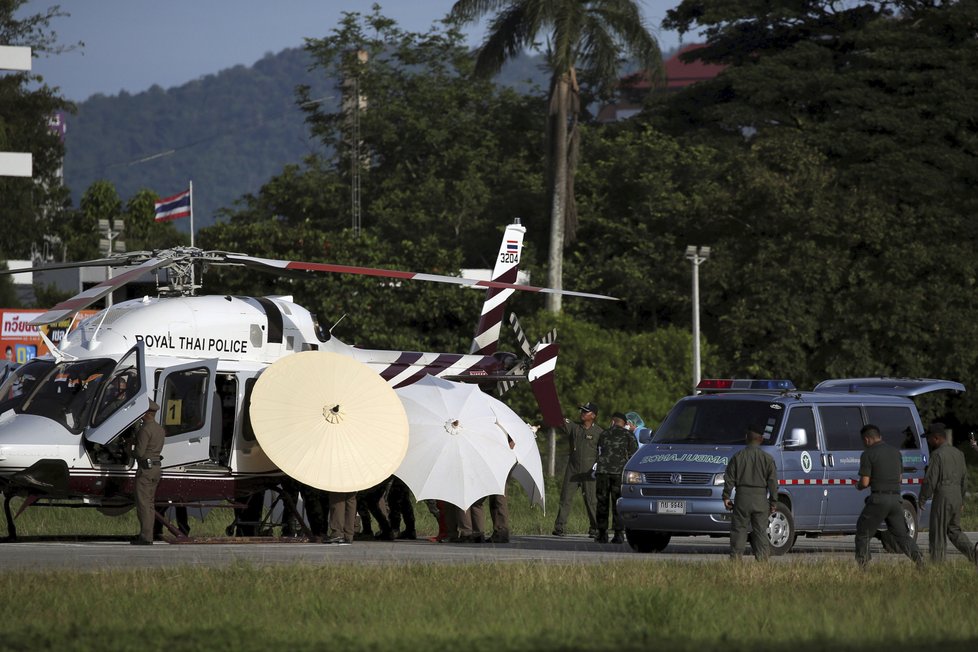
(512,245)
(172,208)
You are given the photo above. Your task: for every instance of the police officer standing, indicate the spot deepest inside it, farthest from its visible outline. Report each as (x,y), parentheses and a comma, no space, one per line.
(946,483)
(880,468)
(752,472)
(615,446)
(147,449)
(583,438)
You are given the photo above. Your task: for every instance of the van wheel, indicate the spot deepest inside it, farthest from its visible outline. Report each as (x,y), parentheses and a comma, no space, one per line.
(781,530)
(910,518)
(644,541)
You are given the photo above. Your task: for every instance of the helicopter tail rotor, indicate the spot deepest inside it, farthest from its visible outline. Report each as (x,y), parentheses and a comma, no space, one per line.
(538,367)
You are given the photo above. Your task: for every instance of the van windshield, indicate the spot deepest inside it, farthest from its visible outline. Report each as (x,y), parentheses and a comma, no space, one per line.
(711,421)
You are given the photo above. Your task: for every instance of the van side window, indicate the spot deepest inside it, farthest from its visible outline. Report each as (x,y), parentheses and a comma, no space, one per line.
(896,425)
(841,425)
(804,418)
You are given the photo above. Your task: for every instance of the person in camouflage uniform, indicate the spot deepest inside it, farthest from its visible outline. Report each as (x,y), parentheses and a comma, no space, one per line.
(945,482)
(753,473)
(615,446)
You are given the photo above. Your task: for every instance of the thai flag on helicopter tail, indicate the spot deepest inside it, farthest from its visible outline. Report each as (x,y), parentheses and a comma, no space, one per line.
(172,208)
(512,246)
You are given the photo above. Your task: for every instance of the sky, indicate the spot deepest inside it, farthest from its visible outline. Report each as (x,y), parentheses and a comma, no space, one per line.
(132,44)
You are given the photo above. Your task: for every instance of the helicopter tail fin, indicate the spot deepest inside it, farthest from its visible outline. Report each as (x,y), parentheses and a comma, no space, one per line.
(538,367)
(541,377)
(486,340)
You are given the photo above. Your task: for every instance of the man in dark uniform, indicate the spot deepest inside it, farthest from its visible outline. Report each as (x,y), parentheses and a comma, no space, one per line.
(374,501)
(880,468)
(577,474)
(615,448)
(945,482)
(147,449)
(400,507)
(753,473)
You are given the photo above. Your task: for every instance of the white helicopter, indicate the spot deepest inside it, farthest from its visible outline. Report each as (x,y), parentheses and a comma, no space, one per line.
(66,418)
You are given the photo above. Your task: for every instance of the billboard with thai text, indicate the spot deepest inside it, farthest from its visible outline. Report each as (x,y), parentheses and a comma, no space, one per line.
(20,341)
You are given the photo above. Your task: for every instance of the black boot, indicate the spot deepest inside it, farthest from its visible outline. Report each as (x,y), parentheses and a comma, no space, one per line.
(601,536)
(619,537)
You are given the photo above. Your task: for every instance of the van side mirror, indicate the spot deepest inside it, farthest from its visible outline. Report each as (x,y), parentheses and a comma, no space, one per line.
(797,438)
(644,435)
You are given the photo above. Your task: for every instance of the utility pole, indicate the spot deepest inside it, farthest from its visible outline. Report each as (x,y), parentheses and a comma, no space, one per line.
(697,256)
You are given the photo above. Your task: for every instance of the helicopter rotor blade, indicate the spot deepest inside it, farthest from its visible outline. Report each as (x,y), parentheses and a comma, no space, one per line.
(284,266)
(117,260)
(69,307)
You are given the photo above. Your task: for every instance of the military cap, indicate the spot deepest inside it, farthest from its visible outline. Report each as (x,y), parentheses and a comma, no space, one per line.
(937,428)
(589,407)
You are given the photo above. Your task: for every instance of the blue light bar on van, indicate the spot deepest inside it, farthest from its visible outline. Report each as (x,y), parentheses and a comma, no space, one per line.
(744,385)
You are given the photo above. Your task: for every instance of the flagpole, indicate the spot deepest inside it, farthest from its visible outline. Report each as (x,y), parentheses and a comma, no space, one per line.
(192,280)
(191,213)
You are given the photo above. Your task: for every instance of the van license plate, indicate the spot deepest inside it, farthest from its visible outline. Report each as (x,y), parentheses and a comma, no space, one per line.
(671,507)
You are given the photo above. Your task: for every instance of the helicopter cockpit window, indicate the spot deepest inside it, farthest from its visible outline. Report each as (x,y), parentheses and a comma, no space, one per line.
(120,388)
(67,393)
(21,382)
(185,401)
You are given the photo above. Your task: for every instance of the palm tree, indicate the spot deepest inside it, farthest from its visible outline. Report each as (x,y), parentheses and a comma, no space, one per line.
(590,35)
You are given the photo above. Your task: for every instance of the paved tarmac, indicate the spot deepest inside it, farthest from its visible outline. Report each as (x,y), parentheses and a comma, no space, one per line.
(38,554)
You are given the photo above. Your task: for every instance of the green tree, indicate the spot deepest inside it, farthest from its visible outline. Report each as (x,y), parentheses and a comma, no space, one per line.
(591,35)
(80,230)
(448,163)
(30,205)
(440,154)
(850,143)
(619,370)
(8,296)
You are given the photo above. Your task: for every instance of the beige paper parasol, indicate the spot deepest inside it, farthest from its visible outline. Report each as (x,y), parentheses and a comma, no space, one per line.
(329,421)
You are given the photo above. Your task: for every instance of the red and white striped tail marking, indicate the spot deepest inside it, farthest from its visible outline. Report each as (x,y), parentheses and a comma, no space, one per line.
(486,340)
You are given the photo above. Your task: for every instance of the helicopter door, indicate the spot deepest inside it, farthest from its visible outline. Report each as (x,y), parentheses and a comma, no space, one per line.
(184,393)
(122,399)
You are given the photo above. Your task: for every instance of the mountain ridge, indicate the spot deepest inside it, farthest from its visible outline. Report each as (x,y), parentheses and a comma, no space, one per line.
(229,132)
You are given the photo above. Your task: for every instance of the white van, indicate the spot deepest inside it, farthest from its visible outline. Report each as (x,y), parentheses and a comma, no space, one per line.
(673,484)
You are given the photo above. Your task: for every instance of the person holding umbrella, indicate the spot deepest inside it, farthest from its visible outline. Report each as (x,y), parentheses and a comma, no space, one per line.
(583,439)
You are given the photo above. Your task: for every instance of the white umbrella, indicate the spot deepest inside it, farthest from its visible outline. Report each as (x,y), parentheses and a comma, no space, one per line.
(529,468)
(457,451)
(329,421)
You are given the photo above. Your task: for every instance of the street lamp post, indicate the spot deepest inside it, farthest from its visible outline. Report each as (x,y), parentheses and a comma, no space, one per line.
(697,256)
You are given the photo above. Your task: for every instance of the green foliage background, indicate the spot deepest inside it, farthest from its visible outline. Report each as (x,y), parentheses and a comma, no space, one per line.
(830,167)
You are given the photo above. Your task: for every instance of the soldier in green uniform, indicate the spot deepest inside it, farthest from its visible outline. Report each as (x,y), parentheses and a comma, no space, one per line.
(945,482)
(880,468)
(615,446)
(577,474)
(752,472)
